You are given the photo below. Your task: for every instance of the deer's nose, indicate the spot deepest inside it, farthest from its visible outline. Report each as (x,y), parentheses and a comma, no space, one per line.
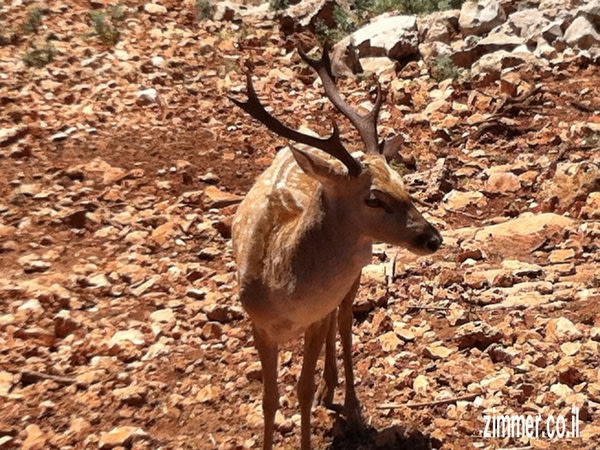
(434,242)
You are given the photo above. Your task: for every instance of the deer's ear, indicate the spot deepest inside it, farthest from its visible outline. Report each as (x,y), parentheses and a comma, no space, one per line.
(325,171)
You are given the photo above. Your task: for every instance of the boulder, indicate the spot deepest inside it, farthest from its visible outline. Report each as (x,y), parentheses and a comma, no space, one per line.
(582,33)
(480,17)
(394,37)
(439,26)
(528,24)
(490,66)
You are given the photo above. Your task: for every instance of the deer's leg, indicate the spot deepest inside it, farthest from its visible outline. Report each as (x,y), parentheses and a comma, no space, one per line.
(351,404)
(268,353)
(330,374)
(313,343)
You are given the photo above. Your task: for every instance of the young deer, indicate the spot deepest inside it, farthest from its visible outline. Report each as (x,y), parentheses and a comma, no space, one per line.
(301,237)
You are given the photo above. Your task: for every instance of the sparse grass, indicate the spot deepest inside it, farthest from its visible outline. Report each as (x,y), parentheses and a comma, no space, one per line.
(204,9)
(443,68)
(39,56)
(345,23)
(34,20)
(107,33)
(347,20)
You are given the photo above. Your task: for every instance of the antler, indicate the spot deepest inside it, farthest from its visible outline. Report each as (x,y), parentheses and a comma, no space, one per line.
(331,145)
(365,124)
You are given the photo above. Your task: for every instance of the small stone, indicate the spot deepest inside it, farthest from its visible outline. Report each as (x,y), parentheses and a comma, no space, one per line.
(208,393)
(561,390)
(502,182)
(159,61)
(215,198)
(36,438)
(131,395)
(222,313)
(211,331)
(64,324)
(163,315)
(389,341)
(76,219)
(562,330)
(7,380)
(420,384)
(561,255)
(147,97)
(477,334)
(155,9)
(136,337)
(495,382)
(437,351)
(121,437)
(570,348)
(404,333)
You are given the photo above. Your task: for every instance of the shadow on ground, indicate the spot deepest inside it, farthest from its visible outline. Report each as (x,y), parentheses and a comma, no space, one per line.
(394,437)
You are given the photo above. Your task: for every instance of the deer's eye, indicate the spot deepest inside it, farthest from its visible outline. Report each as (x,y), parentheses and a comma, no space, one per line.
(374,202)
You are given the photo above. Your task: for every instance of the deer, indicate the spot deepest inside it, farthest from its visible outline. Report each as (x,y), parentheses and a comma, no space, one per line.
(301,237)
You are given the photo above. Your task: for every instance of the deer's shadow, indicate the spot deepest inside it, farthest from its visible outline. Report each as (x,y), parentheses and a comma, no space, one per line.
(394,437)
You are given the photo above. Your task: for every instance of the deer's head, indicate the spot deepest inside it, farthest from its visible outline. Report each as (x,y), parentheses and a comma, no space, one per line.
(364,189)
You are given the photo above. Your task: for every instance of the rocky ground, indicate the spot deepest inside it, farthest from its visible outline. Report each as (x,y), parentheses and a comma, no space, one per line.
(122,167)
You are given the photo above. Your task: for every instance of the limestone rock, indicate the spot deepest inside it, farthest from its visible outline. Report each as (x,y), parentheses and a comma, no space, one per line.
(121,437)
(562,330)
(582,33)
(439,26)
(502,182)
(394,37)
(155,9)
(572,181)
(479,17)
(526,224)
(477,334)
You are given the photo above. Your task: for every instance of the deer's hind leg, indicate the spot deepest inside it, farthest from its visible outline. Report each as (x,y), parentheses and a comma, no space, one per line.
(352,409)
(268,353)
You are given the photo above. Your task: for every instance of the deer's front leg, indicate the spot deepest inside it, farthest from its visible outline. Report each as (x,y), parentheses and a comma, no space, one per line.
(330,374)
(268,353)
(352,409)
(313,343)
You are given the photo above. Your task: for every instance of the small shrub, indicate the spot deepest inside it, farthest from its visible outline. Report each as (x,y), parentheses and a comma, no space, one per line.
(345,24)
(204,9)
(34,20)
(278,5)
(443,68)
(39,57)
(108,33)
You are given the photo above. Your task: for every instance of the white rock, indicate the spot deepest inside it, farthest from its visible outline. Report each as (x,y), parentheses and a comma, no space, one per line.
(582,33)
(155,9)
(480,17)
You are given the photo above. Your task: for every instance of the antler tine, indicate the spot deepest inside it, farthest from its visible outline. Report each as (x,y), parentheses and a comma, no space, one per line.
(331,145)
(365,124)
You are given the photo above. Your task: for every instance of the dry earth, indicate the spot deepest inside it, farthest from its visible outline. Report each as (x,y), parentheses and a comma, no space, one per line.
(118,302)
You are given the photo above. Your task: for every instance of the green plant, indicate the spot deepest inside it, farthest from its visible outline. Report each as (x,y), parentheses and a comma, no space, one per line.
(34,20)
(344,24)
(107,32)
(278,5)
(204,9)
(39,57)
(443,68)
